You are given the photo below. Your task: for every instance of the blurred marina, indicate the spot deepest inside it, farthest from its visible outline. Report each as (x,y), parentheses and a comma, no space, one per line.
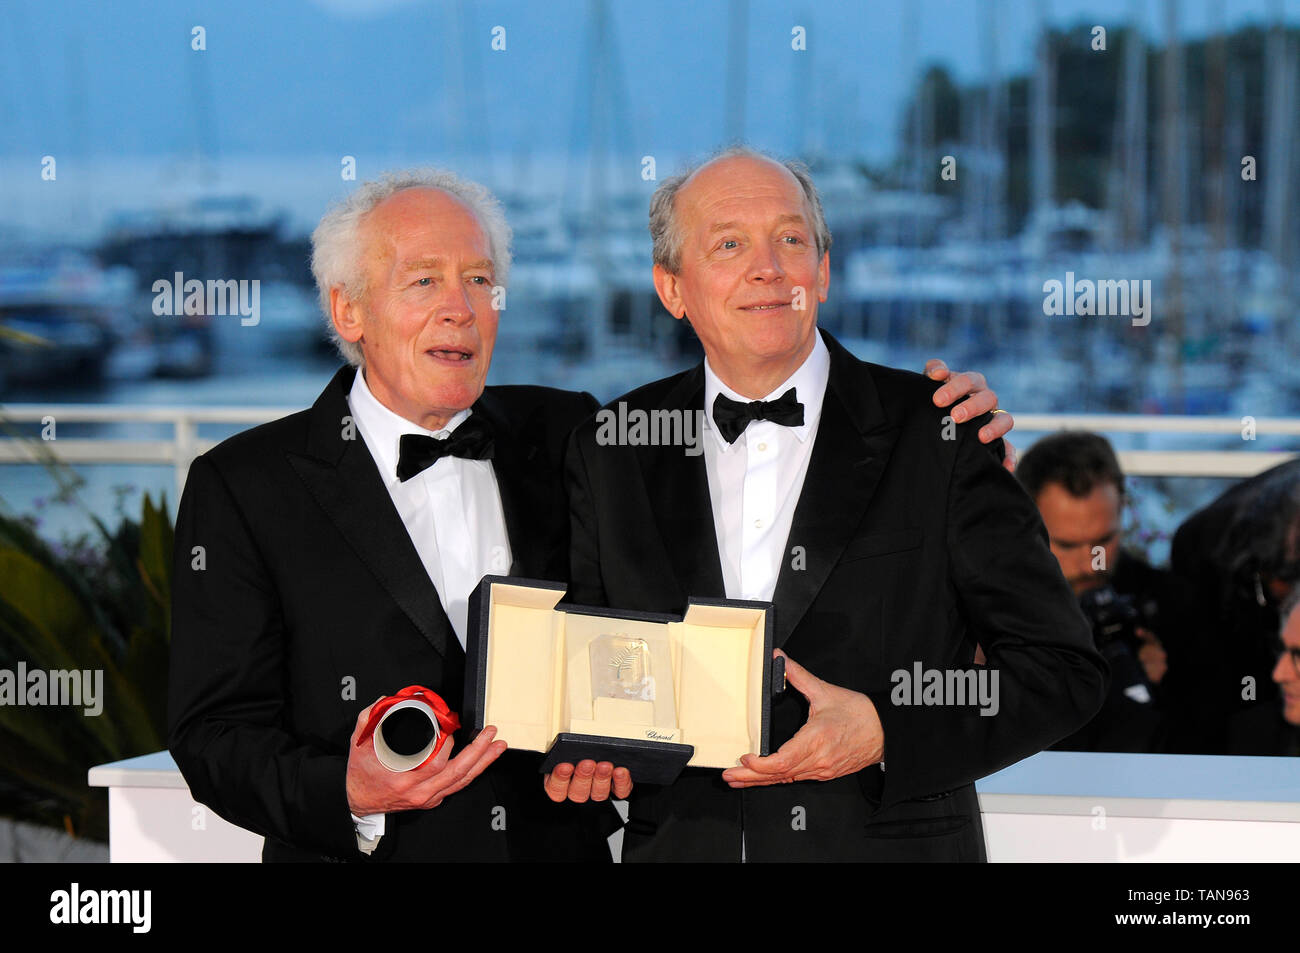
(1123,168)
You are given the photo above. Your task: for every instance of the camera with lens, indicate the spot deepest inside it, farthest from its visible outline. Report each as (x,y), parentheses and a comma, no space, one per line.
(1115,619)
(1112,616)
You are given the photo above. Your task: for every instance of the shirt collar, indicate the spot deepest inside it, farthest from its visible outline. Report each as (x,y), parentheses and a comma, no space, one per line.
(809,381)
(383,429)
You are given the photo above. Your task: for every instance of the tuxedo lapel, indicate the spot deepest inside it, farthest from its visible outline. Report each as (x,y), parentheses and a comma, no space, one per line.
(341,475)
(849,454)
(518,465)
(678,488)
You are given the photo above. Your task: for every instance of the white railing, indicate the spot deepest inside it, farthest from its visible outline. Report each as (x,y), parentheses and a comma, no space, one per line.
(178,451)
(1236,463)
(185,444)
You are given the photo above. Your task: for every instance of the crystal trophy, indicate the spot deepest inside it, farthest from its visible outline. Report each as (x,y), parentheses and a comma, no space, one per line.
(620,668)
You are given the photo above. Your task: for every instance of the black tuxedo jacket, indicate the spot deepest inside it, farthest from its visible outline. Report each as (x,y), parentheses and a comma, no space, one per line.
(299,599)
(905,547)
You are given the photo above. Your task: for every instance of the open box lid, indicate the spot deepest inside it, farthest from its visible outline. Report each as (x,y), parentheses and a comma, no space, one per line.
(538,668)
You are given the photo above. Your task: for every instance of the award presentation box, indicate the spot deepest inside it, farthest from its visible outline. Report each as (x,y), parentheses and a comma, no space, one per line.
(647,691)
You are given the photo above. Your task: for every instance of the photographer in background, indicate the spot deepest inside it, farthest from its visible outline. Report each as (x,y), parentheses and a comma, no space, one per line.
(1141,616)
(1240,555)
(1272,727)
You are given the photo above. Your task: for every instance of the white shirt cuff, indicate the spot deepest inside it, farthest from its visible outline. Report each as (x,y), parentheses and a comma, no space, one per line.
(370,828)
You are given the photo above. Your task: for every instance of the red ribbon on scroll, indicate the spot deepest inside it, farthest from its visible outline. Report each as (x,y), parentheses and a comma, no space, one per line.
(447,719)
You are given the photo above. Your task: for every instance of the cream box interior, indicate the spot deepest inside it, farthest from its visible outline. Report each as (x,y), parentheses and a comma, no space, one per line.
(701,679)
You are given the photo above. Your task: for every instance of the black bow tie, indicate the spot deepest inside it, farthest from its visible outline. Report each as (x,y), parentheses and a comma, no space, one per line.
(417,452)
(732,416)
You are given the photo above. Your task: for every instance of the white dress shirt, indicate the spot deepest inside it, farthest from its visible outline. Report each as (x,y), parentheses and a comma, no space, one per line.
(754,483)
(451,510)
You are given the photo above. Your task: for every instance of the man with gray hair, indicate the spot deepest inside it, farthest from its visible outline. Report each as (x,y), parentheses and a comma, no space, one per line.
(326,559)
(888,538)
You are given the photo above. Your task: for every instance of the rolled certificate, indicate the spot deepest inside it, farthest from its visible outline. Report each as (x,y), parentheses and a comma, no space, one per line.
(409,728)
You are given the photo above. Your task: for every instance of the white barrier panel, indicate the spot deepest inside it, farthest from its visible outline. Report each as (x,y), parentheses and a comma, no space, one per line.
(1054,806)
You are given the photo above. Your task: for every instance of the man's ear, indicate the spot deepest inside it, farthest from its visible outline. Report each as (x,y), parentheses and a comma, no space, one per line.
(824,276)
(669,292)
(346,313)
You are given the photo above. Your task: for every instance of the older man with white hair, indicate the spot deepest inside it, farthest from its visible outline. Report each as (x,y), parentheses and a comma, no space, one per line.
(325,560)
